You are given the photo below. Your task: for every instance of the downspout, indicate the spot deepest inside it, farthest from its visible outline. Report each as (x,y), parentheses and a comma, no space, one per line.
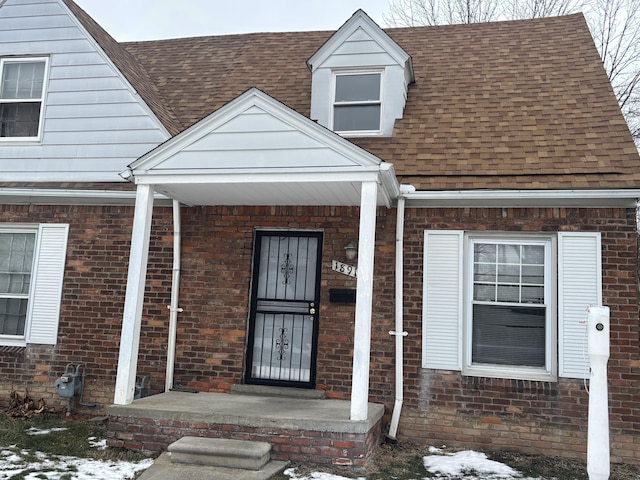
(399,333)
(175,291)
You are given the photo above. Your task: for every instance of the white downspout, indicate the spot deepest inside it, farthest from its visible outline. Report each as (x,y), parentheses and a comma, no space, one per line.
(175,291)
(399,333)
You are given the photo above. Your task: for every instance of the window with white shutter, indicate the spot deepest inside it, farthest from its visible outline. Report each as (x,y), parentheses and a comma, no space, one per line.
(509,305)
(31,271)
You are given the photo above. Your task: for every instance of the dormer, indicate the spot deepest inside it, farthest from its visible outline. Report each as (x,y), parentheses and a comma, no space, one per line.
(360,78)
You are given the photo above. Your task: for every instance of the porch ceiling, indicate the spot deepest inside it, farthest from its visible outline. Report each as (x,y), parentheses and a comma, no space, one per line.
(275,193)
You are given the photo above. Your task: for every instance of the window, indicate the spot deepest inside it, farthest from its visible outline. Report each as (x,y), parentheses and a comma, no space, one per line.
(509,325)
(507,305)
(32,259)
(16,264)
(357,105)
(21,97)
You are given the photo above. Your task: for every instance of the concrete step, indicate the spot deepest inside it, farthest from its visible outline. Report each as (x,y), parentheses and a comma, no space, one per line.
(271,391)
(220,452)
(164,469)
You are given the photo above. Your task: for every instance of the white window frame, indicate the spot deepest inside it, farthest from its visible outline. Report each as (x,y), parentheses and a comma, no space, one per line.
(21,340)
(12,60)
(357,133)
(549,371)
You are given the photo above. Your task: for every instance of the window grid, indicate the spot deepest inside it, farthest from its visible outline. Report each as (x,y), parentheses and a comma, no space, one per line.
(357,104)
(21,97)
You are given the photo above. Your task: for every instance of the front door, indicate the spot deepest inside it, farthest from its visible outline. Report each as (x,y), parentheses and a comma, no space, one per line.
(283,322)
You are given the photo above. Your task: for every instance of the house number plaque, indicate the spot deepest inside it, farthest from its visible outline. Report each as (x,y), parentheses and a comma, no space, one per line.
(343,268)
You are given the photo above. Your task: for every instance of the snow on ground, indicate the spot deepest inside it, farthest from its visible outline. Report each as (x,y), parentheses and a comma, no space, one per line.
(465,465)
(38,465)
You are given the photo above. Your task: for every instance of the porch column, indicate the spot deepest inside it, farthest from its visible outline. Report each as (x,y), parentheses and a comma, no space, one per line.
(364,301)
(134,297)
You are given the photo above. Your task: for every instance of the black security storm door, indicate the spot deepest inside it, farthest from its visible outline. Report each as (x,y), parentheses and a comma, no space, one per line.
(283,323)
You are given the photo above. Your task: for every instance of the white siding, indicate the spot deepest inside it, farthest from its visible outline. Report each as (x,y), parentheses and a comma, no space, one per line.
(95,124)
(45,298)
(579,286)
(254,139)
(442,300)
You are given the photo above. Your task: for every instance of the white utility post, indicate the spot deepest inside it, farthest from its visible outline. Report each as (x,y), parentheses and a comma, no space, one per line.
(134,297)
(364,302)
(598,462)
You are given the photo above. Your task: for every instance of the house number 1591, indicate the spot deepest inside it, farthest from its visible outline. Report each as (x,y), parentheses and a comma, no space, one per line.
(343,268)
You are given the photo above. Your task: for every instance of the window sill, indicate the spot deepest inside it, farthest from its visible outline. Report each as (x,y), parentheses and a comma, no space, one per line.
(513,373)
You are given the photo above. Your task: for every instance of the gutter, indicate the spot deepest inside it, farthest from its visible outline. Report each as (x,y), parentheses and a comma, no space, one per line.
(399,332)
(625,198)
(175,294)
(69,196)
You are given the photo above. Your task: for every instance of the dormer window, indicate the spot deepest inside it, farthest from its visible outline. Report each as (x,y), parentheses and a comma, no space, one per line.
(21,97)
(357,102)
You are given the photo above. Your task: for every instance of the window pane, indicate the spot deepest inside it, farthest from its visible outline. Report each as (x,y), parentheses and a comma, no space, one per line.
(22,80)
(508,293)
(508,335)
(533,254)
(509,273)
(13,314)
(533,294)
(19,119)
(16,260)
(484,272)
(356,117)
(358,88)
(509,254)
(533,274)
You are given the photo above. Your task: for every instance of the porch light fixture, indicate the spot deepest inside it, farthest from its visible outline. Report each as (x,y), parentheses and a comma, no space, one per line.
(351,250)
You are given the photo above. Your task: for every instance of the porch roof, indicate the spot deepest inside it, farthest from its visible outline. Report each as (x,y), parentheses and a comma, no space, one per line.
(257,151)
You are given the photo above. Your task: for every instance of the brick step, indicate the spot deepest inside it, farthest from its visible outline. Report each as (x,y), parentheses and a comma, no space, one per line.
(220,452)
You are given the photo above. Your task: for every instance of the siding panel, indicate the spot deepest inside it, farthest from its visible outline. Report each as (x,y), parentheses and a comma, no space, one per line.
(94,122)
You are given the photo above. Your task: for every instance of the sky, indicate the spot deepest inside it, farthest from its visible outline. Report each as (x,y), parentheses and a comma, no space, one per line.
(129,20)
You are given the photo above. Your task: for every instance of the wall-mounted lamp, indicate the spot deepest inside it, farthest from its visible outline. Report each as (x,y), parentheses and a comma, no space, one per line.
(351,250)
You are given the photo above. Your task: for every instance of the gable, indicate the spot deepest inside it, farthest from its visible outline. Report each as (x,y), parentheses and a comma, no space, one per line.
(94,121)
(361,46)
(256,150)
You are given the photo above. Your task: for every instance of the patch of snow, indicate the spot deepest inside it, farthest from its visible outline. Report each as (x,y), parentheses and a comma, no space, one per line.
(468,462)
(99,444)
(38,431)
(291,472)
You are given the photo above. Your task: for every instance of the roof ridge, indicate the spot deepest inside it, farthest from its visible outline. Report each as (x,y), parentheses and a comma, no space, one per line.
(133,71)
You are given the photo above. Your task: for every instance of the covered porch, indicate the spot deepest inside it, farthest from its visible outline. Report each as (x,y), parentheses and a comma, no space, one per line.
(254,152)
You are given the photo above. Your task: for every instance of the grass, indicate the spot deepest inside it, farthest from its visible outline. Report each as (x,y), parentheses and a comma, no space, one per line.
(68,437)
(45,455)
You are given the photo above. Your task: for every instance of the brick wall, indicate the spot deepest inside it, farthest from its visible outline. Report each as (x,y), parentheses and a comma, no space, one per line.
(217,249)
(444,407)
(92,300)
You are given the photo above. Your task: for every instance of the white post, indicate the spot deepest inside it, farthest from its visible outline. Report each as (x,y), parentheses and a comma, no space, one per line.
(598,461)
(134,297)
(364,302)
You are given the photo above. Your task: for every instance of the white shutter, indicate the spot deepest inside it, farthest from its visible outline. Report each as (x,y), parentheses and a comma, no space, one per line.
(45,296)
(442,300)
(579,285)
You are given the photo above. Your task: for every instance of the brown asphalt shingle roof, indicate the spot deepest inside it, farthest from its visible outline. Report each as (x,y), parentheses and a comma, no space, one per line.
(520,104)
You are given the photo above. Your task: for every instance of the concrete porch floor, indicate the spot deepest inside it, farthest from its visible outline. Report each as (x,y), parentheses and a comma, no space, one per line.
(308,430)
